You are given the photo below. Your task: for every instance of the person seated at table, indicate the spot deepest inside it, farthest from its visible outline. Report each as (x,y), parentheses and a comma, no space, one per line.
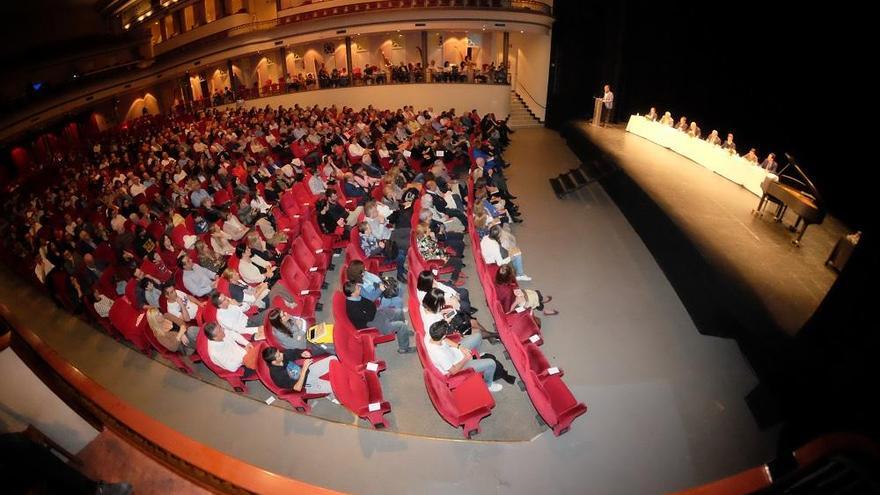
(652,115)
(451,357)
(495,253)
(363,313)
(713,138)
(306,377)
(172,336)
(729,145)
(769,164)
(372,286)
(694,130)
(682,124)
(227,348)
(667,119)
(513,298)
(752,156)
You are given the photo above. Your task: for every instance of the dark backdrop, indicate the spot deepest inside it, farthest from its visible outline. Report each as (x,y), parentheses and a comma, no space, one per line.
(781,78)
(784,78)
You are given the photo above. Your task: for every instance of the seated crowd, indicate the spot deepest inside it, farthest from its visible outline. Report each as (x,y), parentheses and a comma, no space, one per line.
(693,130)
(369,74)
(184,220)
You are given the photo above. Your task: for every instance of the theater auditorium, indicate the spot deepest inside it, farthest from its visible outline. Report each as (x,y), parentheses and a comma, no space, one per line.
(434,246)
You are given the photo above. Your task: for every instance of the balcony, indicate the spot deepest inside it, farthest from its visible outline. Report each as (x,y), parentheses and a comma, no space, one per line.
(211,31)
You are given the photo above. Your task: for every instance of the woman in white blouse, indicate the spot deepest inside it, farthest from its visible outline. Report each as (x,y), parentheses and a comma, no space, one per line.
(495,253)
(233,227)
(253,269)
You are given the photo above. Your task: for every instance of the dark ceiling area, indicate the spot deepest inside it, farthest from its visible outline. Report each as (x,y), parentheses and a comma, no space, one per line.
(35,30)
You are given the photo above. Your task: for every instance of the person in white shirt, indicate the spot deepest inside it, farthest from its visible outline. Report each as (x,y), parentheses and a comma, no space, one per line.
(355,150)
(233,227)
(494,253)
(231,315)
(607,105)
(252,268)
(102,304)
(227,348)
(450,357)
(136,187)
(220,241)
(179,308)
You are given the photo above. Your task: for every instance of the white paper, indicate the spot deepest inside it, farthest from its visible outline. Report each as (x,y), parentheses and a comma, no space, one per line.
(319,251)
(440,153)
(313,269)
(270,400)
(552,371)
(534,338)
(373,366)
(519,309)
(375,406)
(303,292)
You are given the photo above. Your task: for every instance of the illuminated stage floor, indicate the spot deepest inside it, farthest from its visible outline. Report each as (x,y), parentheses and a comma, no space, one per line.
(666,403)
(725,263)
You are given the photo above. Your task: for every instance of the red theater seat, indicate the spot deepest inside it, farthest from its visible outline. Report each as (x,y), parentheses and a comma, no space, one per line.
(360,392)
(296,399)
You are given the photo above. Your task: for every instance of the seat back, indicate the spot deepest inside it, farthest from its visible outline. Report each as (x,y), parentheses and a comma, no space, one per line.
(129,322)
(304,256)
(350,387)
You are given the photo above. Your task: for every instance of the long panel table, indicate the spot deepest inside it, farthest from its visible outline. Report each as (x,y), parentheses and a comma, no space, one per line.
(730,166)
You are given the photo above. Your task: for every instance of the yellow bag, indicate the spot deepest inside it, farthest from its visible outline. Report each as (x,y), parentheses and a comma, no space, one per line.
(321,333)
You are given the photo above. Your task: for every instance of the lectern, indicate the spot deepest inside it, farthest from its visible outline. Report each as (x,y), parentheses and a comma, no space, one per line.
(597,111)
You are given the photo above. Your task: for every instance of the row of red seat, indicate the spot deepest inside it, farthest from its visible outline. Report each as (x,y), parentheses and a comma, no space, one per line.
(462,398)
(522,336)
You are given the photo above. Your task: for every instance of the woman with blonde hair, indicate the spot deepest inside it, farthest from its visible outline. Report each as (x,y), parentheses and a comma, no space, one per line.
(244,293)
(208,258)
(171,335)
(220,241)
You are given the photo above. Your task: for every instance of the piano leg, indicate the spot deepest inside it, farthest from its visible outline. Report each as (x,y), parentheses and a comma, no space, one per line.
(759,211)
(797,240)
(780,212)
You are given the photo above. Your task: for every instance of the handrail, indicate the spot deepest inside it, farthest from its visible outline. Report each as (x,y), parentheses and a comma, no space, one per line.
(192,460)
(523,86)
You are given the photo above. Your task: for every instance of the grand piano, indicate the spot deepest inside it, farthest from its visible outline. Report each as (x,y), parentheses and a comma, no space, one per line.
(797,194)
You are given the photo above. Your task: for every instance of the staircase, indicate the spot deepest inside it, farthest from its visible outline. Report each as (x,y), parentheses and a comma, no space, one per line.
(520,115)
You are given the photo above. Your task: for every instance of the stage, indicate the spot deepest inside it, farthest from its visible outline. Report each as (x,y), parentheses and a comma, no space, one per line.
(733,271)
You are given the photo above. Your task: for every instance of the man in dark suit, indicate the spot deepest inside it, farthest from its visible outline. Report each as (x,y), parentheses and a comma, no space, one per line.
(769,164)
(363,312)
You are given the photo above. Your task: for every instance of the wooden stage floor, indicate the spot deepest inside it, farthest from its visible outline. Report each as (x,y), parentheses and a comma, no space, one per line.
(752,257)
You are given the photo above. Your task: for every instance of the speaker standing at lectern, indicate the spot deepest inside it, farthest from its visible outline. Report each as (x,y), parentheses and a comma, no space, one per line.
(607,105)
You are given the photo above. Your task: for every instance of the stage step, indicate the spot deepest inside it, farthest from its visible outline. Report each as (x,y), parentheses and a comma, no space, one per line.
(571,181)
(520,115)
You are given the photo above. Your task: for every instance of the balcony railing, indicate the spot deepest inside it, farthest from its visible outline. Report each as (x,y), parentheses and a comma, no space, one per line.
(383,77)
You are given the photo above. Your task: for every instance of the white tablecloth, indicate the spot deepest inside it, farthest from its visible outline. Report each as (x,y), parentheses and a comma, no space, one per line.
(732,167)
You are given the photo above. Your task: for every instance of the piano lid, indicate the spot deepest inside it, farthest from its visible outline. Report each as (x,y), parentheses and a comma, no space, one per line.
(801,181)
